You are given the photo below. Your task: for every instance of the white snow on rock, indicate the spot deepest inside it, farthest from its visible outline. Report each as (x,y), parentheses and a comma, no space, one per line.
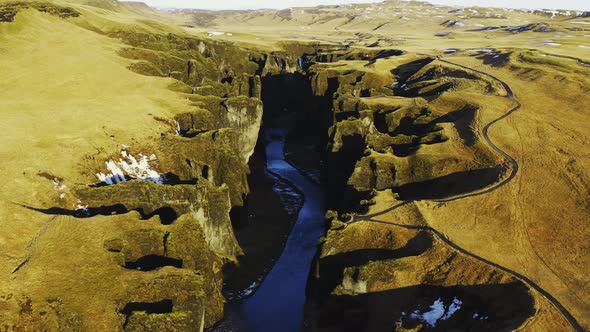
(129,166)
(483,51)
(432,316)
(59,186)
(248,291)
(552,12)
(219,33)
(455,305)
(548,43)
(438,312)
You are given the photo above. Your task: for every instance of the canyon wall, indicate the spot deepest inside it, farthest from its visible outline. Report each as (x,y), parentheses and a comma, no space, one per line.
(132,231)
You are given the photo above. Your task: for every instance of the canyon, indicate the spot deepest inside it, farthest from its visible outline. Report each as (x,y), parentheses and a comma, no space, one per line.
(185,170)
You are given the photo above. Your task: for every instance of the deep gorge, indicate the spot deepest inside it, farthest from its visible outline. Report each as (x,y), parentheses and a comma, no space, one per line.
(272,143)
(294,122)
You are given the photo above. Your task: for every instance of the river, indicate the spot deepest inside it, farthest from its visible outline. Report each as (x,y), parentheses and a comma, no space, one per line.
(277,305)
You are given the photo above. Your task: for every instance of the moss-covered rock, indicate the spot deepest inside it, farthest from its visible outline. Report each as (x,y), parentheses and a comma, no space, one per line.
(8,10)
(206,205)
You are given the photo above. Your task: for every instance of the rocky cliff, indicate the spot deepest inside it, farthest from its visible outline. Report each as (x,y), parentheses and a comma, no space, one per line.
(136,235)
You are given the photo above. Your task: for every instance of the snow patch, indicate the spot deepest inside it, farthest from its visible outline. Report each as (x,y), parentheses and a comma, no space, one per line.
(438,312)
(59,186)
(248,291)
(455,305)
(484,51)
(432,316)
(581,22)
(548,43)
(219,33)
(130,166)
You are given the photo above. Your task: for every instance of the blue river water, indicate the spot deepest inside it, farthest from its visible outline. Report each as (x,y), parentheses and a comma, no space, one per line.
(277,305)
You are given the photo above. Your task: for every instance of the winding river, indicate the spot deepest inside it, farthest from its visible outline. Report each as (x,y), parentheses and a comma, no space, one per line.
(277,305)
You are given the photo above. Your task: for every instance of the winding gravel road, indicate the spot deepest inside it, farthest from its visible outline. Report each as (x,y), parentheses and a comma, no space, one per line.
(484,132)
(514,170)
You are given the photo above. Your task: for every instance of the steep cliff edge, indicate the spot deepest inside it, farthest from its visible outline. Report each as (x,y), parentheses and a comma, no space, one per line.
(404,141)
(118,216)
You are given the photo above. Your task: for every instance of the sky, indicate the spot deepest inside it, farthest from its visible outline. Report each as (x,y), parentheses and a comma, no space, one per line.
(280,4)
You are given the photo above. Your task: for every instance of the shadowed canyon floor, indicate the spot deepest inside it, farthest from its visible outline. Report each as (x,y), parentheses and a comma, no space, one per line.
(431,172)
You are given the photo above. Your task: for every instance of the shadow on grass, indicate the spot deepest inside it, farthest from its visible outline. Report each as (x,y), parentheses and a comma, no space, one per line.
(499,307)
(450,185)
(332,267)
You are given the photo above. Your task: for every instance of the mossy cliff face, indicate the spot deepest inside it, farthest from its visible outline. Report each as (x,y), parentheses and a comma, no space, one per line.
(9,10)
(400,135)
(140,264)
(372,277)
(203,204)
(409,125)
(147,253)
